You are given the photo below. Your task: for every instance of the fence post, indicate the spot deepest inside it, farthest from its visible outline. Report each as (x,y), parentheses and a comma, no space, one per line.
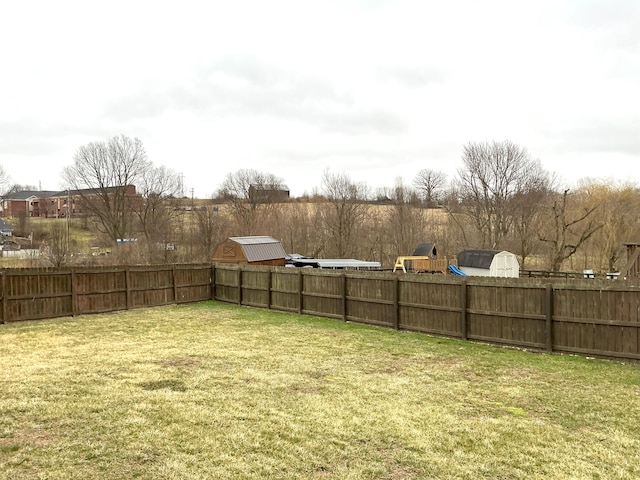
(213,282)
(463,309)
(239,285)
(175,284)
(127,286)
(269,289)
(300,293)
(4,297)
(396,302)
(343,288)
(74,295)
(549,317)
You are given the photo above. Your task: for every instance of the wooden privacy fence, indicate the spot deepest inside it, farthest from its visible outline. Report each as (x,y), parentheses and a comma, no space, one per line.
(47,293)
(587,317)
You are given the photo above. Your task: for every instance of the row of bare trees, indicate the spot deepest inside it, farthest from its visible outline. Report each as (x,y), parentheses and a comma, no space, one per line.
(500,198)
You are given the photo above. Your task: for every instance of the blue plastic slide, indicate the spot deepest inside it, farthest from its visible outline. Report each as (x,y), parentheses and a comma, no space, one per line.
(456,271)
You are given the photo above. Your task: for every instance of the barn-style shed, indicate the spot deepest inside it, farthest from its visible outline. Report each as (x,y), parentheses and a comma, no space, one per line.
(489,263)
(254,250)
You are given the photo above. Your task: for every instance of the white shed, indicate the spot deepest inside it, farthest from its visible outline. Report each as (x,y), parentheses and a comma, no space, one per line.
(489,263)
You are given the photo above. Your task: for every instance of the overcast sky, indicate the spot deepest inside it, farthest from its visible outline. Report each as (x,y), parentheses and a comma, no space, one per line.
(376,89)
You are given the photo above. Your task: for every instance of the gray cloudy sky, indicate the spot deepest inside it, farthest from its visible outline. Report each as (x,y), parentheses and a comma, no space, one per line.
(376,89)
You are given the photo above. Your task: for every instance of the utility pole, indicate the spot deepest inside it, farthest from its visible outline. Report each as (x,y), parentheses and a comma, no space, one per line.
(191,224)
(67,216)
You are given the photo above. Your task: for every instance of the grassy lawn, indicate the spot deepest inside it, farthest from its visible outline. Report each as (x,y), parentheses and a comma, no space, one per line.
(211,391)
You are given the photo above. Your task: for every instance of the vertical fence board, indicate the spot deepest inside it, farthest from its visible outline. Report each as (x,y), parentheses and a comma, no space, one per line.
(300,292)
(4,297)
(396,303)
(549,318)
(213,282)
(269,289)
(174,282)
(343,300)
(463,309)
(74,294)
(127,282)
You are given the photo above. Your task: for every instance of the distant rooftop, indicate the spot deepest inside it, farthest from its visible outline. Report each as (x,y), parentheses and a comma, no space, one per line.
(25,194)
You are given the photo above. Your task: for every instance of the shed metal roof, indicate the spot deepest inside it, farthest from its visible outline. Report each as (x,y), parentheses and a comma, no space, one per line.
(254,240)
(257,248)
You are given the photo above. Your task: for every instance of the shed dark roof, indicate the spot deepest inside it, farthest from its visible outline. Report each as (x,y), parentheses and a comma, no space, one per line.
(257,248)
(477,258)
(425,250)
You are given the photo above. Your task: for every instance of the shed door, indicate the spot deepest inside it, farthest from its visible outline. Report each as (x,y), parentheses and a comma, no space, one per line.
(503,266)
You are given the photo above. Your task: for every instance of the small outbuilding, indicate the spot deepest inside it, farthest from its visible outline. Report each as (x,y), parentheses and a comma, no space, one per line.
(254,250)
(423,259)
(489,263)
(6,230)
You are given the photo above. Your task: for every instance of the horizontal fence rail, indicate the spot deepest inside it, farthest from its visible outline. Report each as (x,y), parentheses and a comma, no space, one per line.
(586,317)
(48,293)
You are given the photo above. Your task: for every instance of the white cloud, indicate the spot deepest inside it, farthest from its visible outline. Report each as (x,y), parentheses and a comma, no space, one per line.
(377,89)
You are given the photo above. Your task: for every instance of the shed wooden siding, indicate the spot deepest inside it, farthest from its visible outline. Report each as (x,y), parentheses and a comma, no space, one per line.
(229,252)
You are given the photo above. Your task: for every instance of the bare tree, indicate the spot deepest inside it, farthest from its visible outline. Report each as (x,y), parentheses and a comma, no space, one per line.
(528,208)
(431,184)
(249,194)
(211,228)
(568,231)
(347,210)
(404,224)
(5,181)
(103,175)
(16,187)
(618,205)
(491,176)
(57,249)
(296,226)
(159,187)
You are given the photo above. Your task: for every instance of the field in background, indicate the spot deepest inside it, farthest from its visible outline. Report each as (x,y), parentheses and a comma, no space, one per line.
(217,391)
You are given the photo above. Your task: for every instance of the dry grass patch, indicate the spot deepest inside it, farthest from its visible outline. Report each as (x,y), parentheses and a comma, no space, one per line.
(216,391)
